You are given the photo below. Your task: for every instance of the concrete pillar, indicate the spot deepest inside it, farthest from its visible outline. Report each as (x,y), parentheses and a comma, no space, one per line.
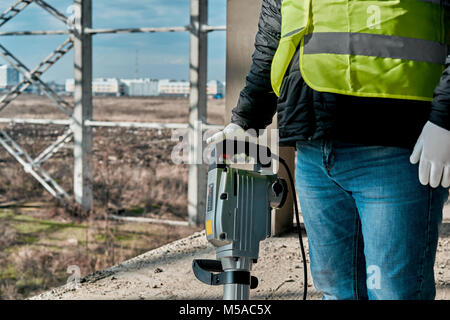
(242,25)
(197,111)
(82,182)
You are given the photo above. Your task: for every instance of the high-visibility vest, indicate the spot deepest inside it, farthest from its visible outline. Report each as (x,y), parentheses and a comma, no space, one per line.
(391,48)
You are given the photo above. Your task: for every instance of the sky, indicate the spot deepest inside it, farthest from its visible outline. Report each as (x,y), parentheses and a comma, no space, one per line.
(156,55)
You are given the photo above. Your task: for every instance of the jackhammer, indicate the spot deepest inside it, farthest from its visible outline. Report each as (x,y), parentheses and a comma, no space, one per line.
(238,215)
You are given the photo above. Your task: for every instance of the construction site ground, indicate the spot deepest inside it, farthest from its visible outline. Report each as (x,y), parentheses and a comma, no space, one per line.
(165,273)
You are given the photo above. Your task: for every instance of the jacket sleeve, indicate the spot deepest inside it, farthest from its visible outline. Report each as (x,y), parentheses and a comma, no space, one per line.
(257,102)
(440,110)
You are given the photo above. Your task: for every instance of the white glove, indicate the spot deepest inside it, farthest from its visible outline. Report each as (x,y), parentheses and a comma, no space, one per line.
(433,151)
(230,131)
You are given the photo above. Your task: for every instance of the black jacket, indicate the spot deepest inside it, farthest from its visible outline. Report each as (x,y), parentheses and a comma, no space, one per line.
(306,114)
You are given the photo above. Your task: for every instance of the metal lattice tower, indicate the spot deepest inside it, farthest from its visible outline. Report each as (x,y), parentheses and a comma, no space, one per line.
(79,115)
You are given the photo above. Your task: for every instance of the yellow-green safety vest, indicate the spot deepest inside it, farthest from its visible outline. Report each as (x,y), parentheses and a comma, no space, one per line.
(391,48)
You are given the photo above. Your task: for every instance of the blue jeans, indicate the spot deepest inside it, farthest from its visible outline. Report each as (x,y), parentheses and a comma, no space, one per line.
(372,227)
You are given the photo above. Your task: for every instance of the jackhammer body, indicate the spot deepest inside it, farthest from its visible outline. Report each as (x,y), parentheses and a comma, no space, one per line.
(238,216)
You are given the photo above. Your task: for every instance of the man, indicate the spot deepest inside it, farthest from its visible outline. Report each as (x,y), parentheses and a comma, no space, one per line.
(362,89)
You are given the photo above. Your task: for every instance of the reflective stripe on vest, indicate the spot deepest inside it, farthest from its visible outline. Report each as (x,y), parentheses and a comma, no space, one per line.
(393,49)
(378,45)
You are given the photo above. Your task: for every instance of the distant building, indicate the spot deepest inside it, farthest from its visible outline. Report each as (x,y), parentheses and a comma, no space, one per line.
(57,87)
(70,85)
(106,86)
(174,88)
(100,86)
(8,76)
(147,87)
(39,90)
(140,87)
(216,89)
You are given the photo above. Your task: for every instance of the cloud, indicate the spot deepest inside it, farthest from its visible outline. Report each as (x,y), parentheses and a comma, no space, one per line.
(180,60)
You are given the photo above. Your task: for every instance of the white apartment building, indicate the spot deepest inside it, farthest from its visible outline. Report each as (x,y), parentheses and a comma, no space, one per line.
(140,87)
(168,87)
(100,86)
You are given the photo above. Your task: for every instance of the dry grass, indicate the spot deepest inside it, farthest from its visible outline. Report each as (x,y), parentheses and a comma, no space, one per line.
(149,109)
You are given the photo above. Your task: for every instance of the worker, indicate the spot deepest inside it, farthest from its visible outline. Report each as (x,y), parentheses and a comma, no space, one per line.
(362,90)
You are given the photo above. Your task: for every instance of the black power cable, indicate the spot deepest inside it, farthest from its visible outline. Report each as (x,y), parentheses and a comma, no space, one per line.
(299,230)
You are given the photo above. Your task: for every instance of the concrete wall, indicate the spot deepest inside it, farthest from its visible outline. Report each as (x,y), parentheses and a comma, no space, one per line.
(242,25)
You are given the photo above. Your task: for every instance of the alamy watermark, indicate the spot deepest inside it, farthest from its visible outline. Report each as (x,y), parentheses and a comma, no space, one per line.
(73,281)
(373,277)
(374,17)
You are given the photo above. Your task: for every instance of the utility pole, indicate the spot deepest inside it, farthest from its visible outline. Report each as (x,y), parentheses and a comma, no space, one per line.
(137,64)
